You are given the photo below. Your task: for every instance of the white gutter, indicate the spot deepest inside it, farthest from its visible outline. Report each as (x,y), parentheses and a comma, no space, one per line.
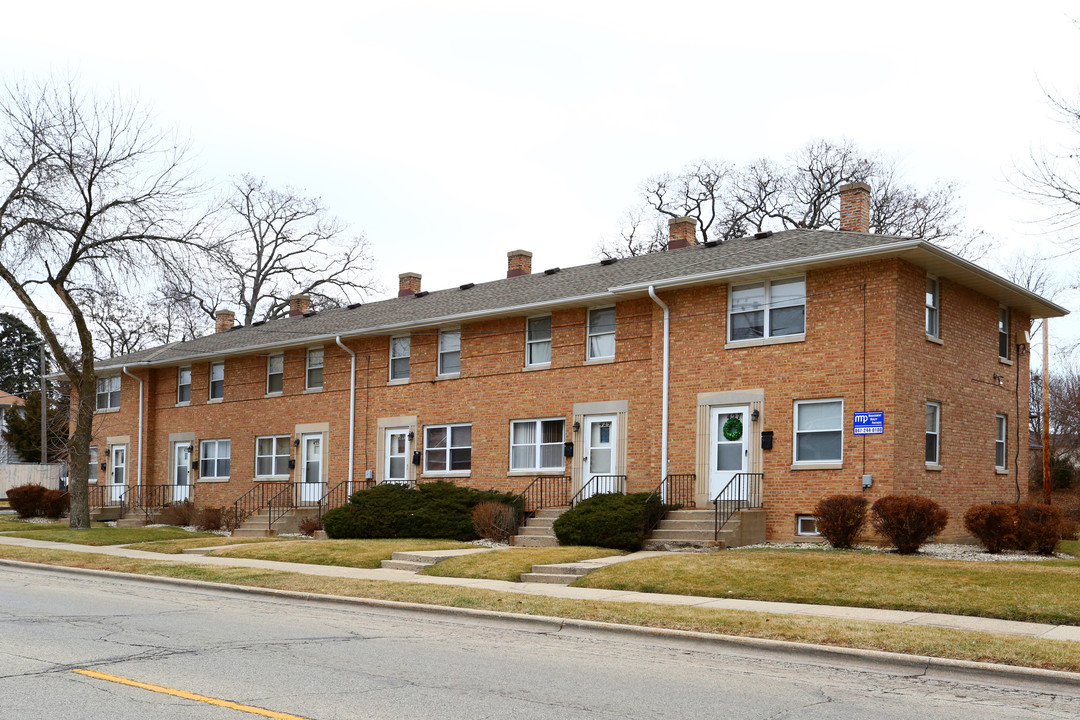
(664,413)
(352,409)
(138,476)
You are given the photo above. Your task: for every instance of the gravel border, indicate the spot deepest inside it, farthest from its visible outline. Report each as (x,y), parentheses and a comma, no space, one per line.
(938,551)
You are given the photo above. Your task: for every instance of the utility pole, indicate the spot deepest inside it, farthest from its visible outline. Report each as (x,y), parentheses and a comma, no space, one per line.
(44,420)
(1046,410)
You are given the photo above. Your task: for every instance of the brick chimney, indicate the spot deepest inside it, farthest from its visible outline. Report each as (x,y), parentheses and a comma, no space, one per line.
(518,262)
(224,320)
(855,207)
(408,284)
(299,304)
(682,232)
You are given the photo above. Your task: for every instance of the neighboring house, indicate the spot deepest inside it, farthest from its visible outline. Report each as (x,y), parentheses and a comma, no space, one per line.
(774,343)
(8,404)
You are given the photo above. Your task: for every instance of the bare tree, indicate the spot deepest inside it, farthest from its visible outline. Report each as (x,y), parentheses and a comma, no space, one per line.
(270,244)
(88,190)
(730,202)
(129,320)
(1051,178)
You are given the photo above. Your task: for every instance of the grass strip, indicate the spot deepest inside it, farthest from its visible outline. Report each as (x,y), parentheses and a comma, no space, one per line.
(343,553)
(175,547)
(1038,591)
(108,535)
(509,564)
(936,642)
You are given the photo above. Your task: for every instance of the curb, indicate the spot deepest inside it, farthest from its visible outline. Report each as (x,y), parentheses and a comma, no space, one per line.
(897,664)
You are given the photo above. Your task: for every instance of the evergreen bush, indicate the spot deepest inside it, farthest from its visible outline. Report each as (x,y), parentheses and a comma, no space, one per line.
(610,520)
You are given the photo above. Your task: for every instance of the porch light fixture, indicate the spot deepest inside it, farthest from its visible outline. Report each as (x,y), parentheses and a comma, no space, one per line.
(296,442)
(190,448)
(577,427)
(412,435)
(755,415)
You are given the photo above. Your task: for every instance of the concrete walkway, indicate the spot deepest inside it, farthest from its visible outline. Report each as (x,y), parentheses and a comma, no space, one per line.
(898,617)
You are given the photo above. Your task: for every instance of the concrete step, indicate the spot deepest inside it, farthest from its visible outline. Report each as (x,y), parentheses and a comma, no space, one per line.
(104,514)
(676,524)
(130,522)
(549,578)
(659,534)
(683,545)
(405,565)
(260,531)
(549,513)
(534,541)
(563,569)
(534,531)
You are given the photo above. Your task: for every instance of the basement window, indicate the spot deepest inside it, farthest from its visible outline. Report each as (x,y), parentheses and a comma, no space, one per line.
(806,525)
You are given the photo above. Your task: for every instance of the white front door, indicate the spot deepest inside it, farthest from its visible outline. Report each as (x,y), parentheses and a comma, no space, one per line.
(599,458)
(397,455)
(729,451)
(181,471)
(118,476)
(311,481)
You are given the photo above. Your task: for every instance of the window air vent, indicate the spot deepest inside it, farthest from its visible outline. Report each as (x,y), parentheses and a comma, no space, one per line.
(609,261)
(466,286)
(421,294)
(551,271)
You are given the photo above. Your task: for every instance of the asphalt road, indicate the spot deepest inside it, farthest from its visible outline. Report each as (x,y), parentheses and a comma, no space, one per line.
(324,661)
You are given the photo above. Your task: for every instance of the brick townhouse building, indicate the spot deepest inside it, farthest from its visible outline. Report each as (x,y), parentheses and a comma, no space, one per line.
(815,361)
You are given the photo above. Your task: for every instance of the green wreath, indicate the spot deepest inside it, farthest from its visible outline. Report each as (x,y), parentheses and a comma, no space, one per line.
(733,428)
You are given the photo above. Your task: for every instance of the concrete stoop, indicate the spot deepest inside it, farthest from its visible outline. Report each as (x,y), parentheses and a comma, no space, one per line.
(693,530)
(132,521)
(417,560)
(537,530)
(258,524)
(104,514)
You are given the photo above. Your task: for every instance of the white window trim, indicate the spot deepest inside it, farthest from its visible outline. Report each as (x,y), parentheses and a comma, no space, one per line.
(257,455)
(936,462)
(270,359)
(815,464)
(445,332)
(449,439)
(308,368)
(766,338)
(936,308)
(530,342)
(92,452)
(109,407)
(202,457)
(210,383)
(1001,438)
(798,526)
(537,467)
(589,334)
(390,368)
(1003,312)
(179,384)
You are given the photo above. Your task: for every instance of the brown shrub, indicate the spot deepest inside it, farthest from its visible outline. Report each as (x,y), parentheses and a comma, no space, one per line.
(908,521)
(212,518)
(181,514)
(840,519)
(495,521)
(26,500)
(1038,527)
(310,525)
(993,525)
(55,503)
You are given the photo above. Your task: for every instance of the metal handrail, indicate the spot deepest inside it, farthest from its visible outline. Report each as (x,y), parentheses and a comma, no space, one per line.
(255,499)
(676,490)
(543,492)
(155,497)
(339,495)
(603,484)
(729,500)
(100,496)
(279,505)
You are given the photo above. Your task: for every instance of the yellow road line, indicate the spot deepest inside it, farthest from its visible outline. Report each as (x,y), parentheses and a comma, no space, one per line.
(187,695)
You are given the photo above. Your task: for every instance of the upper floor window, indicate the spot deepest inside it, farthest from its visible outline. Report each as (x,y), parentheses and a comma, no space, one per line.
(1003,333)
(933,433)
(933,328)
(601,333)
(1000,447)
(447,448)
(819,431)
(399,357)
(538,340)
(275,374)
(108,393)
(183,385)
(773,308)
(214,456)
(217,380)
(449,352)
(314,376)
(537,444)
(272,455)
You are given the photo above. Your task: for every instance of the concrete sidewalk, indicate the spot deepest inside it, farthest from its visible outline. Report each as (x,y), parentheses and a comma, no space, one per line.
(898,617)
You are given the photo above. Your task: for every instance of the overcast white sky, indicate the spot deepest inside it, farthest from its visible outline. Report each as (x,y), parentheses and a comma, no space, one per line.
(450,133)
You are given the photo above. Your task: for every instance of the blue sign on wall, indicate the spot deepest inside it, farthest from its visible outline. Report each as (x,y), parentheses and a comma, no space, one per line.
(868,423)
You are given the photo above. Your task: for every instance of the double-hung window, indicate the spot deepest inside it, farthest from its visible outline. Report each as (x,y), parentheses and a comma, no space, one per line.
(183,385)
(601,333)
(93,464)
(108,393)
(819,431)
(214,458)
(537,444)
(773,308)
(538,341)
(399,357)
(1003,333)
(272,455)
(275,374)
(933,323)
(314,375)
(1000,445)
(217,380)
(449,352)
(933,433)
(448,448)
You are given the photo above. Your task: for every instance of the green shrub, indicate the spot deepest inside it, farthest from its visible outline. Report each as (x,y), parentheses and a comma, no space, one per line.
(993,525)
(55,503)
(432,510)
(26,500)
(840,519)
(610,520)
(908,521)
(1038,527)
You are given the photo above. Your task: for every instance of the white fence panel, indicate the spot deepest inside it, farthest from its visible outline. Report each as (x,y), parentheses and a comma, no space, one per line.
(16,474)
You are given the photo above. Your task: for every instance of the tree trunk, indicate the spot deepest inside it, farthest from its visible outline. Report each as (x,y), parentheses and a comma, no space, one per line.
(79,452)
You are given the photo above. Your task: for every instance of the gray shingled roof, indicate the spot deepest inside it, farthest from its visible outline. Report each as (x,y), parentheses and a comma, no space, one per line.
(581,285)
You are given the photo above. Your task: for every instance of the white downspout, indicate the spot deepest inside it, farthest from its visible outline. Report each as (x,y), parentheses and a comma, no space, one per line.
(352,409)
(138,476)
(664,414)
